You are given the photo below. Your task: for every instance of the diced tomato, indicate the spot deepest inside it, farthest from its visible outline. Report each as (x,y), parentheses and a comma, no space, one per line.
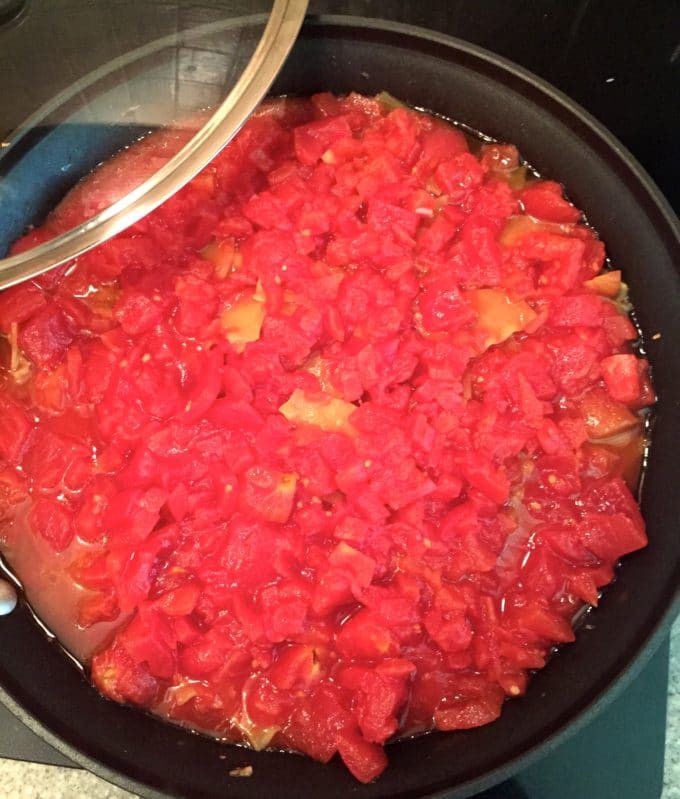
(295,667)
(518,228)
(317,723)
(89,520)
(19,303)
(149,641)
(490,480)
(13,490)
(365,760)
(500,157)
(438,233)
(612,535)
(364,636)
(439,144)
(619,329)
(622,377)
(116,675)
(91,572)
(444,308)
(179,601)
(53,521)
(315,138)
(583,310)
(541,622)
(543,199)
(464,714)
(354,562)
(459,175)
(46,336)
(483,254)
(99,607)
(200,658)
(15,428)
(204,181)
(268,494)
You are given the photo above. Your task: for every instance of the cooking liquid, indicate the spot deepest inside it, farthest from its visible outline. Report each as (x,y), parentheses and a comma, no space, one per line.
(49,587)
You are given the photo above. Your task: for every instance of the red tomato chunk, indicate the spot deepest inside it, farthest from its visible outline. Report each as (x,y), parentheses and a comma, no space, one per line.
(340,438)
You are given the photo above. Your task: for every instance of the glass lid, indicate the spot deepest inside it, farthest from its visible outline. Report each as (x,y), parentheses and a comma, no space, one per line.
(82,80)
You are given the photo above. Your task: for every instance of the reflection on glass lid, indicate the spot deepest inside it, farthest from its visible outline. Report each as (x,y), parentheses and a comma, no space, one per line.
(211,58)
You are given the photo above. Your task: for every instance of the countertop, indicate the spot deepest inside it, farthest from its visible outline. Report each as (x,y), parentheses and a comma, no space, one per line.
(32,781)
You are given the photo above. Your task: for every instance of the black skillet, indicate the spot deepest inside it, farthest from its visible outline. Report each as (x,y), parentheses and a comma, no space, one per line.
(557,137)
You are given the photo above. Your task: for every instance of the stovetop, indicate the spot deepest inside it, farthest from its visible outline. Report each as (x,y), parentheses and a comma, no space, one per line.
(621,61)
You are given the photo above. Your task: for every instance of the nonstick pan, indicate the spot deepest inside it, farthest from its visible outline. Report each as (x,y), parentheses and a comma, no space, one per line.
(560,140)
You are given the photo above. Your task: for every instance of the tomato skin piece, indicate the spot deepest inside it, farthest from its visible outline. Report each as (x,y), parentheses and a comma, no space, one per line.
(321,410)
(607,284)
(465,714)
(497,315)
(605,416)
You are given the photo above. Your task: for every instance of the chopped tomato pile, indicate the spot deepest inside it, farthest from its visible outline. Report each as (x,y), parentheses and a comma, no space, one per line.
(342,436)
